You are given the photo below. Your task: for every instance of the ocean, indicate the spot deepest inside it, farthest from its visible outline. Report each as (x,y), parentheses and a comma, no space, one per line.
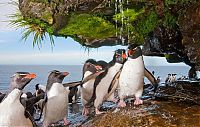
(75,73)
(42,71)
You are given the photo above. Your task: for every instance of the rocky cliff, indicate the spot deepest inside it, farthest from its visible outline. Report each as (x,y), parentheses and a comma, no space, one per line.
(165,27)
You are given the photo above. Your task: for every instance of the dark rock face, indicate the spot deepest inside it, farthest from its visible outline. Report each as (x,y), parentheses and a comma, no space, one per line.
(164,40)
(190,26)
(182,42)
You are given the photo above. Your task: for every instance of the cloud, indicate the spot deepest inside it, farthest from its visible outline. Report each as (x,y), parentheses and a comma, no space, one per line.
(6,9)
(62,58)
(72,58)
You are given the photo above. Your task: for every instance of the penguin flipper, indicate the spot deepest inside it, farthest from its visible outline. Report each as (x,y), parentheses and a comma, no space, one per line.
(2,97)
(151,78)
(72,84)
(92,76)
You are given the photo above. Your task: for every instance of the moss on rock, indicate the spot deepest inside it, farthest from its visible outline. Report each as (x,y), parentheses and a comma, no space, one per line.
(89,26)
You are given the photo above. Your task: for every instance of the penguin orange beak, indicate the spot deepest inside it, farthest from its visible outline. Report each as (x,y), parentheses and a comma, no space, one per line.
(30,76)
(124,56)
(131,52)
(65,73)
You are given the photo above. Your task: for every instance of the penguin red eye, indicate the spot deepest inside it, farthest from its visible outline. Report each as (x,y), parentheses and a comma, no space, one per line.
(117,55)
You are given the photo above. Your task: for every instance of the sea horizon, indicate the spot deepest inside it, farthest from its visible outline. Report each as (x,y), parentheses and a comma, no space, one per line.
(75,73)
(172,64)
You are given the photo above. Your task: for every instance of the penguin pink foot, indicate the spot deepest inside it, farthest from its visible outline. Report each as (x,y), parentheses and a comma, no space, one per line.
(121,103)
(138,101)
(66,122)
(97,112)
(45,124)
(85,111)
(115,100)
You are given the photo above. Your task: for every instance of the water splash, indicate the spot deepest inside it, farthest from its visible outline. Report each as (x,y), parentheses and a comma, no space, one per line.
(121,9)
(116,11)
(109,3)
(124,27)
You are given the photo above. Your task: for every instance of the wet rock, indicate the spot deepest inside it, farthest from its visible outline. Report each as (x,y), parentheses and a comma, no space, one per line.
(182,91)
(159,114)
(175,105)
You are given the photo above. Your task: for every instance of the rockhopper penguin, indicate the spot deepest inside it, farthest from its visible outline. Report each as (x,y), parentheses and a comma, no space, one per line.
(101,86)
(90,67)
(56,100)
(12,112)
(131,80)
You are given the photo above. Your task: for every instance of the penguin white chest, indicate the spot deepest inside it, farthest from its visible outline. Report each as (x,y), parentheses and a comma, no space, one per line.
(132,77)
(12,111)
(57,103)
(87,88)
(106,81)
(112,71)
(89,84)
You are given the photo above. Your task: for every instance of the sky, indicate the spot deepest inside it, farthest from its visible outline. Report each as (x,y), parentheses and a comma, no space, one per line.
(14,51)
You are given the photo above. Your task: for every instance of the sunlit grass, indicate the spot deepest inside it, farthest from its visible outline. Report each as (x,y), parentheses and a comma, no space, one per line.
(32,26)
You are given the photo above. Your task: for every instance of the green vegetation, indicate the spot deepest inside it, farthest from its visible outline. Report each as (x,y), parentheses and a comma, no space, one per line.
(128,15)
(137,24)
(89,26)
(170,20)
(33,26)
(146,25)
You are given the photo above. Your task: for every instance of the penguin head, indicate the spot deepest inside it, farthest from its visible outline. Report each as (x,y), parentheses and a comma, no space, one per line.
(89,66)
(56,77)
(102,63)
(93,61)
(134,51)
(120,56)
(21,79)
